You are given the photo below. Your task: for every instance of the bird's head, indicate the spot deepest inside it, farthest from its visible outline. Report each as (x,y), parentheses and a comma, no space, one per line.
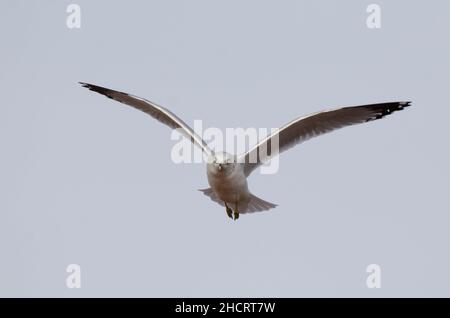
(222,163)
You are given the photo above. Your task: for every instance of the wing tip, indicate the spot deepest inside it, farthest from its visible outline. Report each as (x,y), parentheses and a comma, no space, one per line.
(385,109)
(404,104)
(398,106)
(102,90)
(84,84)
(91,87)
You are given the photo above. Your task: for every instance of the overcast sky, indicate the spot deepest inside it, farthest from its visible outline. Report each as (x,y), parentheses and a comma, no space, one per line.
(85,180)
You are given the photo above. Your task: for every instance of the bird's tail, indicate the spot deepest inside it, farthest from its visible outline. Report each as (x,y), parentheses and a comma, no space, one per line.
(210,193)
(256,204)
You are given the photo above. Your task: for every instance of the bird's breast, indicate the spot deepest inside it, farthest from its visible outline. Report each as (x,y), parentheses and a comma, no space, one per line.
(229,187)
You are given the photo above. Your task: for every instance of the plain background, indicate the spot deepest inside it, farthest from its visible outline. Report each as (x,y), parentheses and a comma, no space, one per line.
(86,180)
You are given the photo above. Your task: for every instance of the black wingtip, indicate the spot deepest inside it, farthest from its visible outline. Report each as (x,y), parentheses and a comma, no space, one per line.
(95,88)
(87,85)
(385,109)
(104,91)
(398,106)
(405,104)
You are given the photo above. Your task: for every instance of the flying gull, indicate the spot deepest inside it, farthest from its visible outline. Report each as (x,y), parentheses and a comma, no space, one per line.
(227,174)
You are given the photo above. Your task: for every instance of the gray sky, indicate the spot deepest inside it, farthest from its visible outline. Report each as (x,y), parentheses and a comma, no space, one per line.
(88,181)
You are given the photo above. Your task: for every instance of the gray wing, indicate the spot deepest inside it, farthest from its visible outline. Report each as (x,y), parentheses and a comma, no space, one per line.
(314,125)
(158,112)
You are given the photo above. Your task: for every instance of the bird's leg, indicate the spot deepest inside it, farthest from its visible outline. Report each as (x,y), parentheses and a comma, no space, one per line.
(236,212)
(229,211)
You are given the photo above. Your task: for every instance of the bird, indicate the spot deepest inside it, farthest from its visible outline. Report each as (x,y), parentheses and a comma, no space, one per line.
(227,173)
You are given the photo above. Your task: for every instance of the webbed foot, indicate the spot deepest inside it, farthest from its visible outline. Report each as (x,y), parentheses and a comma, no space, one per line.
(229,211)
(236,213)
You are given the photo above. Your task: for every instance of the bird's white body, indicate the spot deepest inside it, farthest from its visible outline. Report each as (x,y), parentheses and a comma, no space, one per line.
(228,181)
(229,188)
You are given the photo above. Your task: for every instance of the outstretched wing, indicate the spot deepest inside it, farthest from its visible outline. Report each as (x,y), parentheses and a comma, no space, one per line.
(314,125)
(158,112)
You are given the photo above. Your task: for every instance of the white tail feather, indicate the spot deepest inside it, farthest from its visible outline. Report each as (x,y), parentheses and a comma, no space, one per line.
(254,205)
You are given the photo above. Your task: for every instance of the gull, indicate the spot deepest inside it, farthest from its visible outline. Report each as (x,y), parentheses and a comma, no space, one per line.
(227,174)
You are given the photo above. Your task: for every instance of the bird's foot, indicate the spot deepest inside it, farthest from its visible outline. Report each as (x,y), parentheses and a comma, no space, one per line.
(229,211)
(236,213)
